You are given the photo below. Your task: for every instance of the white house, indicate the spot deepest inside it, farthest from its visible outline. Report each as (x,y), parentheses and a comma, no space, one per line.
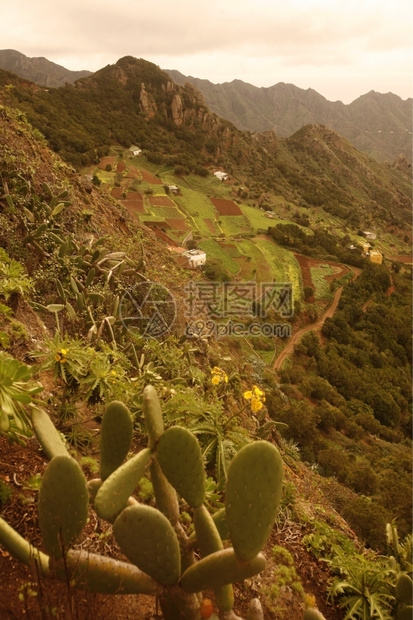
(135,150)
(221,175)
(369,235)
(196,258)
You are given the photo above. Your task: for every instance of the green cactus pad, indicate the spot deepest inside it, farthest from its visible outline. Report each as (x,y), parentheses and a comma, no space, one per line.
(63,504)
(149,541)
(114,492)
(47,435)
(311,613)
(406,613)
(153,415)
(404,589)
(209,541)
(165,494)
(93,487)
(180,457)
(21,549)
(207,535)
(115,438)
(97,573)
(219,569)
(252,497)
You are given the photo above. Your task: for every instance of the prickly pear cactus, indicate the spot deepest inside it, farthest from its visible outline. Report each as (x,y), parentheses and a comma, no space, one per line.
(161,555)
(252,497)
(63,504)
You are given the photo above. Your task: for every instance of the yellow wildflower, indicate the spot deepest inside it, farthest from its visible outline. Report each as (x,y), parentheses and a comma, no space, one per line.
(61,356)
(257,398)
(218,376)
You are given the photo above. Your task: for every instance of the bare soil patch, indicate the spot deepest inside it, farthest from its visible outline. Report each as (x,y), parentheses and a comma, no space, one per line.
(178,224)
(226,207)
(211,225)
(116,193)
(148,177)
(107,161)
(134,206)
(161,201)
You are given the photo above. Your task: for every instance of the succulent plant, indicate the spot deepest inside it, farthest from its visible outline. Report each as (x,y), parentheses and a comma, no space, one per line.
(161,554)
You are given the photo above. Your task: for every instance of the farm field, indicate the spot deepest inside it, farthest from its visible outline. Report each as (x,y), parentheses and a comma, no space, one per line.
(284,265)
(226,207)
(254,265)
(234,225)
(214,250)
(258,219)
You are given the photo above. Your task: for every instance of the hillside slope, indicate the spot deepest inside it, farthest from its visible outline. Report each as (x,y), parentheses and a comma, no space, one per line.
(38,70)
(134,102)
(73,255)
(377,124)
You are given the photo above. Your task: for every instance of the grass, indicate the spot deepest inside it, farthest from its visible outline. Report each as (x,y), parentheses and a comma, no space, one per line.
(283,263)
(198,207)
(257,218)
(321,285)
(255,265)
(171,213)
(233,225)
(214,250)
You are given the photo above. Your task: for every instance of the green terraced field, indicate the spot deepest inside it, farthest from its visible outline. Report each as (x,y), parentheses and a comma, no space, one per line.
(233,225)
(283,263)
(214,250)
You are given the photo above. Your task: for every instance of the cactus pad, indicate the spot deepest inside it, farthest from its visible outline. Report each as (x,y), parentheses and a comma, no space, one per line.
(148,540)
(180,458)
(311,613)
(114,492)
(252,496)
(63,504)
(219,569)
(153,415)
(115,438)
(97,573)
(47,435)
(404,589)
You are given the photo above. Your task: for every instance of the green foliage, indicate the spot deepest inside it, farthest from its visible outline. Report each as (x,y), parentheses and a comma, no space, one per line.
(153,538)
(13,279)
(365,587)
(17,391)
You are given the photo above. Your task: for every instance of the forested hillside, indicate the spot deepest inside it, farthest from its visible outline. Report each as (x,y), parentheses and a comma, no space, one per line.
(96,299)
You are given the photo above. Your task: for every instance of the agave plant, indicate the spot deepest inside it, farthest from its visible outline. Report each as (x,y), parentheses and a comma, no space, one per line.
(17,390)
(365,588)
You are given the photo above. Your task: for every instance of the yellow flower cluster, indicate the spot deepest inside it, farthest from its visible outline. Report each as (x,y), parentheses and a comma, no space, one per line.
(257,398)
(218,376)
(61,356)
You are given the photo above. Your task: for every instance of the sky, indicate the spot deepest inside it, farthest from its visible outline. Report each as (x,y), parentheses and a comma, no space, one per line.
(340,48)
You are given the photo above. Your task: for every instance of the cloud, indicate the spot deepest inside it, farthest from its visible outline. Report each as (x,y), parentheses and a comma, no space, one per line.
(237,37)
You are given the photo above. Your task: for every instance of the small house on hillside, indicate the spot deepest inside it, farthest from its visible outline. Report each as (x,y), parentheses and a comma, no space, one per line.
(135,150)
(196,258)
(376,257)
(221,175)
(369,235)
(366,247)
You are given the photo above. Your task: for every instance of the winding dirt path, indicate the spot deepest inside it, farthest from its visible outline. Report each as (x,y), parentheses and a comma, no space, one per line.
(289,348)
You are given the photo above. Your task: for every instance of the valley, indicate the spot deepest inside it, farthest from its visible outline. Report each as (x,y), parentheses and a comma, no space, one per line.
(92,253)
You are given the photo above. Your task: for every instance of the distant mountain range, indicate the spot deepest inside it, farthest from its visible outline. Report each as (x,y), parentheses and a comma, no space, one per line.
(39,70)
(377,124)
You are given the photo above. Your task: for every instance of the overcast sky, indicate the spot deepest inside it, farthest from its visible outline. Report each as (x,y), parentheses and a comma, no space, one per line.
(340,48)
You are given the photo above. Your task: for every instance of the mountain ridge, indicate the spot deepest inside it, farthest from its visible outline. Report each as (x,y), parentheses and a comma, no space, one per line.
(379,124)
(375,123)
